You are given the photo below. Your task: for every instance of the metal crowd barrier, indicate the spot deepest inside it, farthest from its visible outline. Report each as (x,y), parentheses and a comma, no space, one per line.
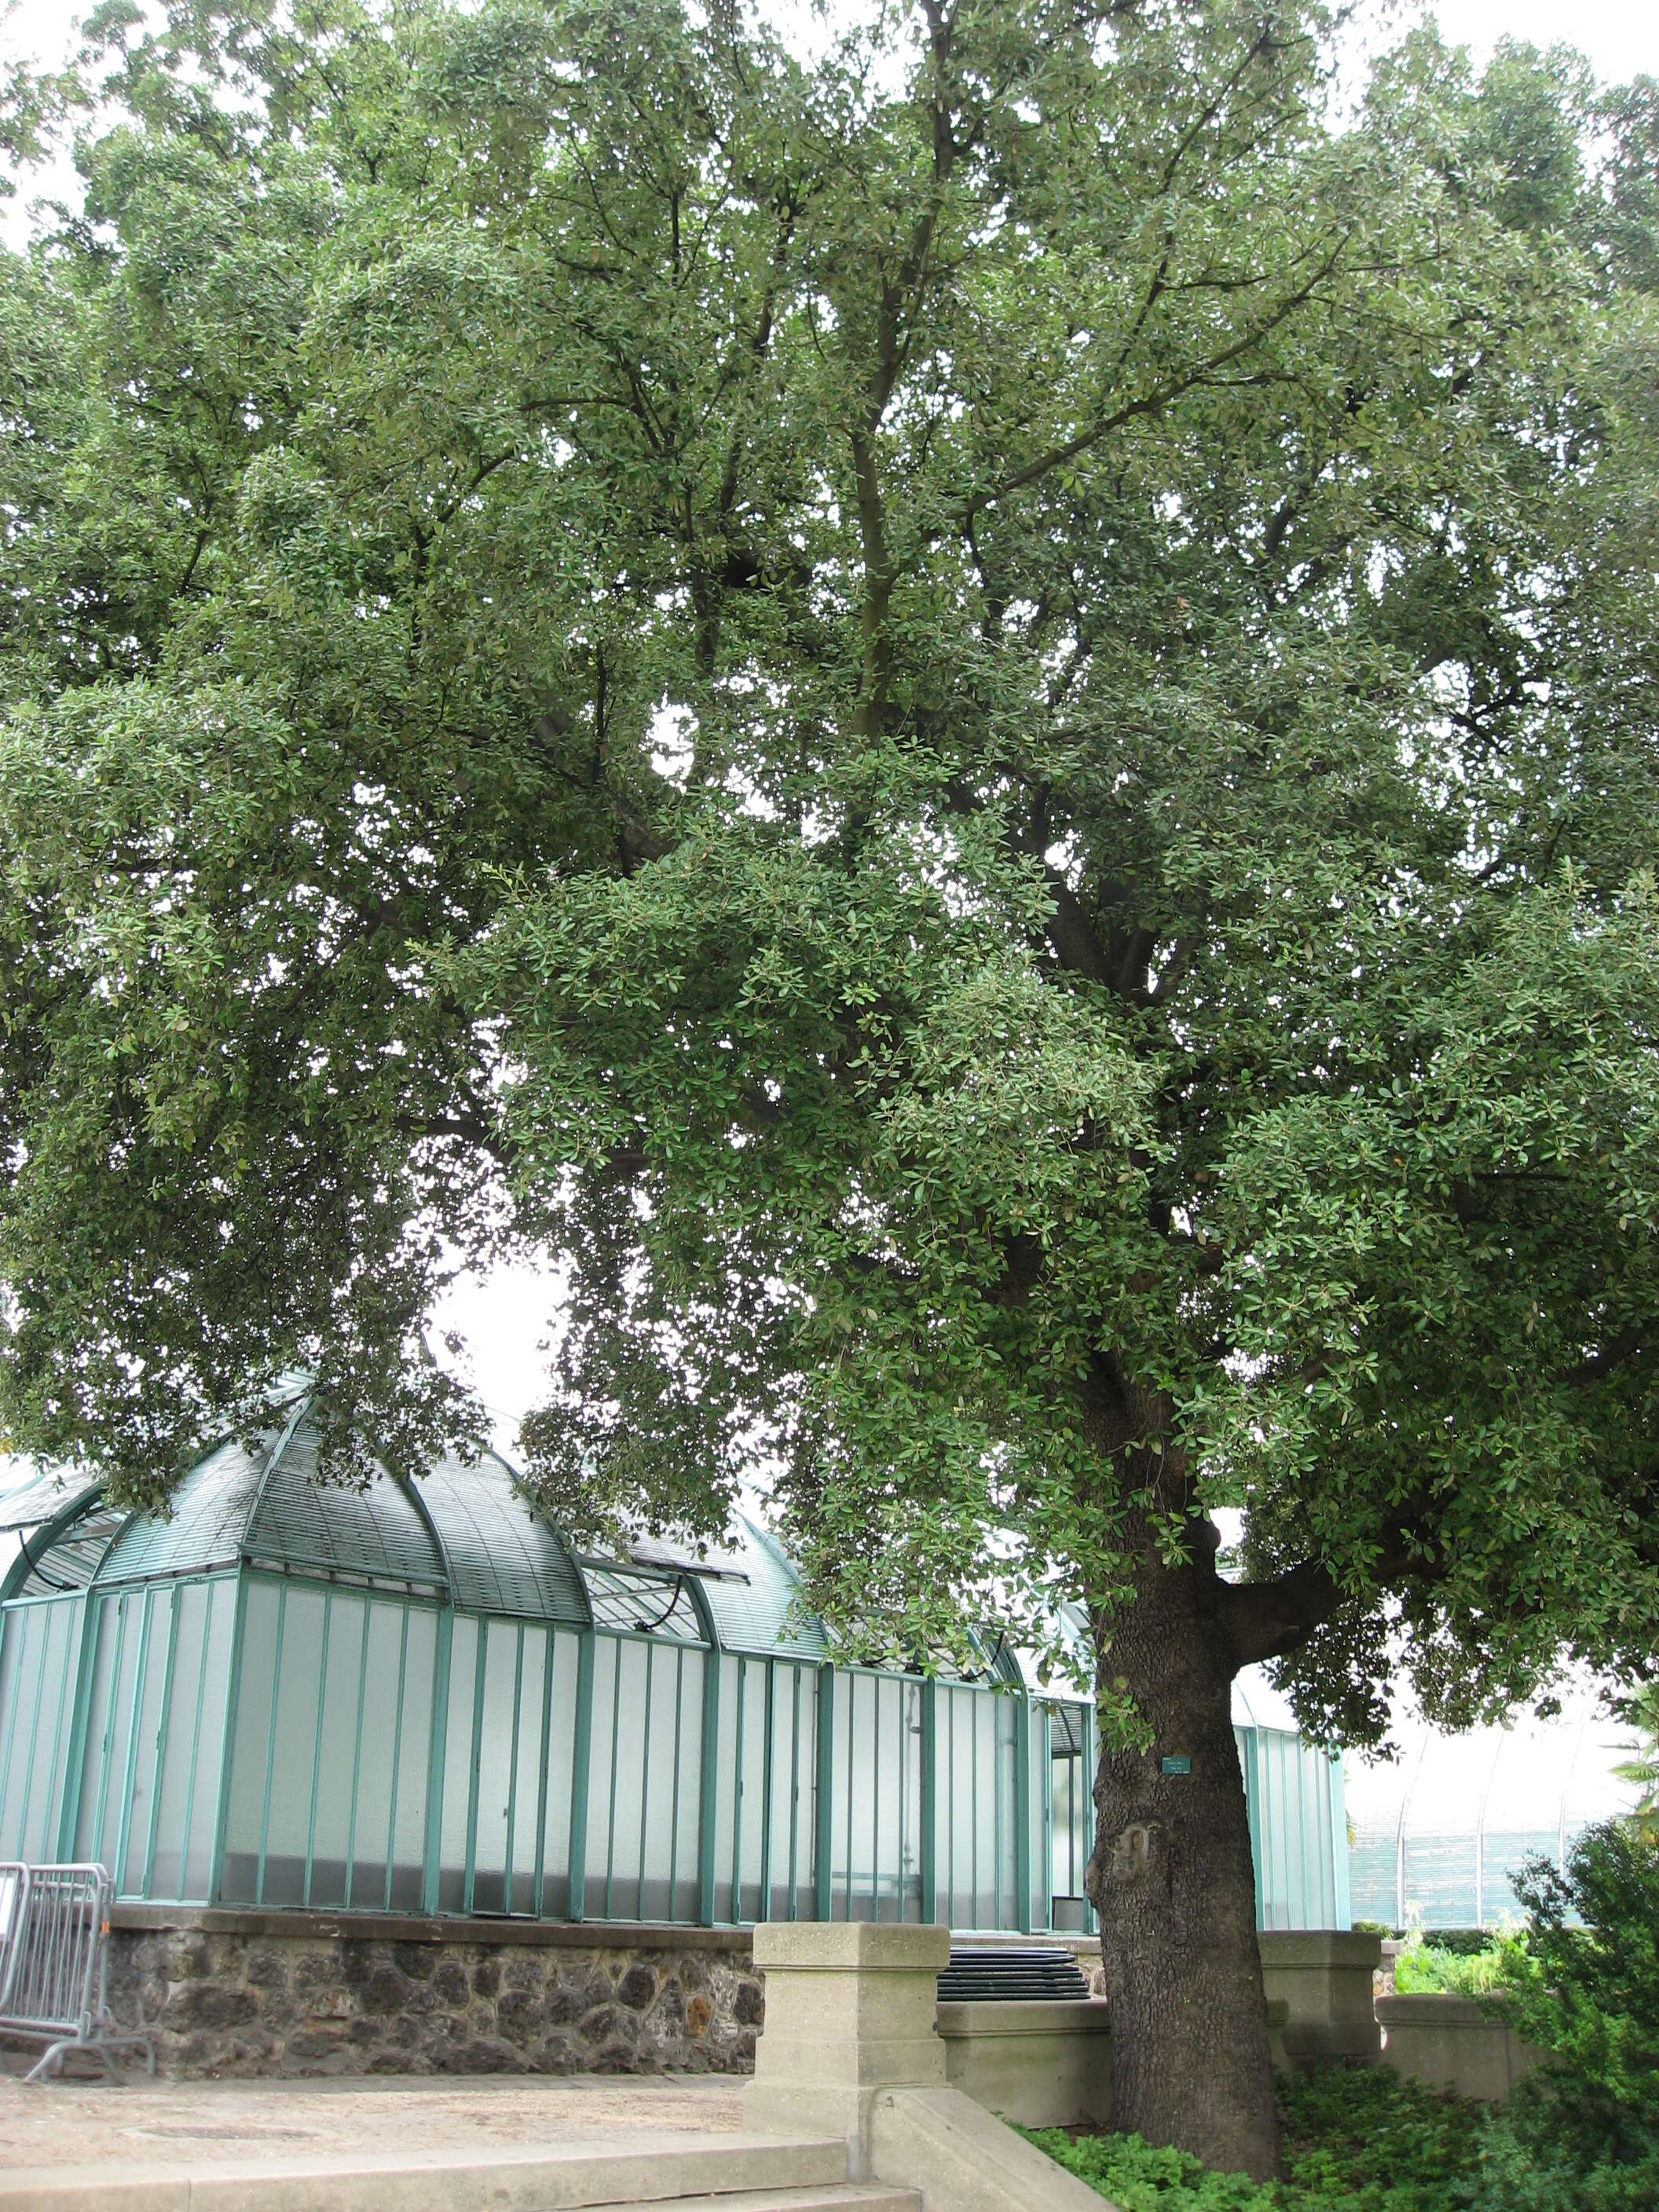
(54,1960)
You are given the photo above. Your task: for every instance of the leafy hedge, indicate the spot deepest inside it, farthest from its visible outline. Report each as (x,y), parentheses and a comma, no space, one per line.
(1365,2142)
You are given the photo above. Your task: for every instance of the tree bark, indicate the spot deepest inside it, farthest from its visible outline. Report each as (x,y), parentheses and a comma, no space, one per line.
(1172,1881)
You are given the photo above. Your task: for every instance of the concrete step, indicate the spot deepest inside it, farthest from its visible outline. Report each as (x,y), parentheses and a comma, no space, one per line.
(702,2173)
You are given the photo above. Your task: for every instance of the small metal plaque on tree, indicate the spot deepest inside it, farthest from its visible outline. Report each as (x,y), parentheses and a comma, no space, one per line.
(1179,1762)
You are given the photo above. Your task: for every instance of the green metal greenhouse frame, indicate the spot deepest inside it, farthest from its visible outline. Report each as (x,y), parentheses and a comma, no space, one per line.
(415,1697)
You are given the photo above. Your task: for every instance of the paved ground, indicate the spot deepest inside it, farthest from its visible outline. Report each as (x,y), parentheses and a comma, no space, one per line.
(166,2123)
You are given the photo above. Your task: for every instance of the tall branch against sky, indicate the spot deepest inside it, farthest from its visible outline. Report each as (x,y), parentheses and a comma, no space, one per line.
(968,719)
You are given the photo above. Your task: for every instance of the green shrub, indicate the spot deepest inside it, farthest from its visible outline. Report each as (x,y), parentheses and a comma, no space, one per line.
(1362,2141)
(1429,1967)
(1462,1942)
(1583,2132)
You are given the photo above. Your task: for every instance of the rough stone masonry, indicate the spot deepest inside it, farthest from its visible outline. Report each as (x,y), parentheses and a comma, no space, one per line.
(250,1993)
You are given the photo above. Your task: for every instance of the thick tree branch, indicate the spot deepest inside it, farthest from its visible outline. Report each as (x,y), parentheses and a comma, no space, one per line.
(1264,1621)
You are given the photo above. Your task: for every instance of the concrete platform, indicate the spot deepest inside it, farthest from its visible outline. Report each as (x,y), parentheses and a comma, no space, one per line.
(411,2145)
(146,2123)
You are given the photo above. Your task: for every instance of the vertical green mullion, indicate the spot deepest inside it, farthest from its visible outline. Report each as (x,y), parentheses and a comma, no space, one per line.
(582,1758)
(550,1646)
(35,1730)
(397,1761)
(708,1784)
(196,1738)
(1000,1813)
(513,1773)
(674,1802)
(930,1801)
(616,1750)
(947,1832)
(973,1799)
(226,1741)
(481,1668)
(75,1759)
(876,1688)
(738,1750)
(823,1814)
(852,1769)
(906,1834)
(357,1756)
(437,1758)
(770,1711)
(139,1674)
(317,1745)
(271,1743)
(1340,1875)
(1091,1759)
(794,1789)
(72,1637)
(1023,1903)
(644,1784)
(163,1729)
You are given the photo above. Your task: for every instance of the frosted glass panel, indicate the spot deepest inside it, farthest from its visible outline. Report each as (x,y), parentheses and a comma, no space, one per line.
(299,1687)
(504,1643)
(405,1888)
(265,1617)
(725,1784)
(147,1740)
(118,1745)
(330,1782)
(94,1757)
(187,1690)
(561,1756)
(37,1697)
(376,1754)
(524,1826)
(458,1764)
(203,1809)
(791,1857)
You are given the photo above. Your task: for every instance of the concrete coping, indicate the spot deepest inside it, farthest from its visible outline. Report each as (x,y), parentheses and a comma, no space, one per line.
(850,1947)
(1441,2009)
(295,1924)
(1285,1948)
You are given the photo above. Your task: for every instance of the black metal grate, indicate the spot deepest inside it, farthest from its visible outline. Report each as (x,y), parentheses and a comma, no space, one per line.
(1008,1973)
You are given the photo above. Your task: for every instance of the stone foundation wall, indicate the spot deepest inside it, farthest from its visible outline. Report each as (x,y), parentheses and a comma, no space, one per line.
(230,1993)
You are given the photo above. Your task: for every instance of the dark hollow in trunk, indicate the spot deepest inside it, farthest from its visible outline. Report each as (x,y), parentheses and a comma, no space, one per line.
(1172,1881)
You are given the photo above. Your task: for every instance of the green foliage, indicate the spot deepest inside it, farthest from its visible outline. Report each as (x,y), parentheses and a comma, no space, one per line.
(1462,1942)
(1364,2141)
(974,719)
(1426,1966)
(1590,1997)
(1643,1709)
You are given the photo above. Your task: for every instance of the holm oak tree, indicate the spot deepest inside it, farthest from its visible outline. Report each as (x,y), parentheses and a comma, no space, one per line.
(974,717)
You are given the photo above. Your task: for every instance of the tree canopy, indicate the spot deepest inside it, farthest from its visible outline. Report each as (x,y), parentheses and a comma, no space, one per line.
(977,720)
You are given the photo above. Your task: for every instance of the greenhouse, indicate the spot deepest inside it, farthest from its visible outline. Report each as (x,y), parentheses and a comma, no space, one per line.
(1440,1830)
(415,1697)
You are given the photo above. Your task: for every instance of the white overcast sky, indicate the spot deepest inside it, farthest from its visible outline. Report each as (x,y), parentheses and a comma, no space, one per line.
(506,1319)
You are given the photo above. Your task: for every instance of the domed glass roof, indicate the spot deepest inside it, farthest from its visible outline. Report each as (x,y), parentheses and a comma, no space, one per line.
(458,1532)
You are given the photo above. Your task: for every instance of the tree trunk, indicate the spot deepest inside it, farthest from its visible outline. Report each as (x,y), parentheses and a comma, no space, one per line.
(1172,1881)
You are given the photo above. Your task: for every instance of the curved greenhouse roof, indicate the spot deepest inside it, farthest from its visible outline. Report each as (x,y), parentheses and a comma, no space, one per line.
(1440,1830)
(462,1533)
